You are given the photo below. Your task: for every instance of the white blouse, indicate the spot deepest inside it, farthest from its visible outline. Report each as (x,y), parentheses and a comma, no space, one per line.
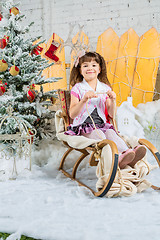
(79,90)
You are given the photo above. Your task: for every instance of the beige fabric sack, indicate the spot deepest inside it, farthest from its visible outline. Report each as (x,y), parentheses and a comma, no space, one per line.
(128,181)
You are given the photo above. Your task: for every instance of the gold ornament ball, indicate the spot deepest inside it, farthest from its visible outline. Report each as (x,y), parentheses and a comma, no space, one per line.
(14,10)
(3,65)
(14,70)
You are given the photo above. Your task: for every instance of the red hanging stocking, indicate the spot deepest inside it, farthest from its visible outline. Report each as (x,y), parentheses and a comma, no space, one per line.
(52,49)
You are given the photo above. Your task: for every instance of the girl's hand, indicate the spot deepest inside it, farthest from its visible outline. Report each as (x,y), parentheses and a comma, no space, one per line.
(111,95)
(88,95)
(111,103)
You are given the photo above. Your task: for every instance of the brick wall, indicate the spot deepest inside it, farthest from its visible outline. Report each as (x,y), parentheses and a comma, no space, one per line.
(96,16)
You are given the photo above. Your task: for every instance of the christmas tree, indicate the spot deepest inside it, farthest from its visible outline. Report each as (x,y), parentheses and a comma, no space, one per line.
(21,67)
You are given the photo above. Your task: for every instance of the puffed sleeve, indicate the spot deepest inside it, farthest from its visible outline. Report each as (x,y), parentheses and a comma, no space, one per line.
(75,91)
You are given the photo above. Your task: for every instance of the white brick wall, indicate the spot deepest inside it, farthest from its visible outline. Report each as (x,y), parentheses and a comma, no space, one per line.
(96,16)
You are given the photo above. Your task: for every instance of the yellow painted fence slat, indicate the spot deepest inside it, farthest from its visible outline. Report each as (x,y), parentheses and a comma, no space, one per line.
(132,63)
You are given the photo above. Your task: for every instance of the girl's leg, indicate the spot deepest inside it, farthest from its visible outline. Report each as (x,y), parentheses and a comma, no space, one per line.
(124,158)
(112,135)
(127,155)
(95,134)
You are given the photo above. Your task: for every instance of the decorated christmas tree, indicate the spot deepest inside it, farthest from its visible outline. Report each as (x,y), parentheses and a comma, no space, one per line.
(21,67)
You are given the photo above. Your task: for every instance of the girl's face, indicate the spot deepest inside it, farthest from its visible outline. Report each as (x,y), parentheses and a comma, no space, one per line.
(90,70)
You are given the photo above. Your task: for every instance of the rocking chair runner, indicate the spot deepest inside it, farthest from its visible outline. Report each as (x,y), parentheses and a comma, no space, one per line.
(95,148)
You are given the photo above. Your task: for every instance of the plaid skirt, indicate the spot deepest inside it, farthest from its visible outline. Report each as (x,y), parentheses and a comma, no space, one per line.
(87,128)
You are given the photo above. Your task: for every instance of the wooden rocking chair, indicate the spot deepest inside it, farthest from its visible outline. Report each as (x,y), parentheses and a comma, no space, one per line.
(93,150)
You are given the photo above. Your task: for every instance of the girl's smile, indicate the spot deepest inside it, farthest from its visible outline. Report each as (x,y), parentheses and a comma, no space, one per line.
(90,70)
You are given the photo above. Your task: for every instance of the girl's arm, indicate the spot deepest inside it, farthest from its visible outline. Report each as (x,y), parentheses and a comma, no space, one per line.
(76,105)
(111,103)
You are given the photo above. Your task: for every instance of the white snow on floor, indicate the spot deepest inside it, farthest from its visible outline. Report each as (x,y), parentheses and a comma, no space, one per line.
(46,205)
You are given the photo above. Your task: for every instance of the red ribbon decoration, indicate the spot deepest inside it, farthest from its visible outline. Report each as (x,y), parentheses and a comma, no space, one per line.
(30,132)
(52,50)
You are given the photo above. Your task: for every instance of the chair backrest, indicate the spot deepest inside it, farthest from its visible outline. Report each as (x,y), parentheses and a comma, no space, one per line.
(64,97)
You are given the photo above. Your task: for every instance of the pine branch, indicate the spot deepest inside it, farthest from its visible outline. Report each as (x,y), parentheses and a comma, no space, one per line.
(27,103)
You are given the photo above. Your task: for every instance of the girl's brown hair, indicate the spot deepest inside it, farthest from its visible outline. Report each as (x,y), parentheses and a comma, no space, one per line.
(76,76)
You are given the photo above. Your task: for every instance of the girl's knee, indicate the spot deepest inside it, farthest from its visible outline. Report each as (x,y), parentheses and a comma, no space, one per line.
(110,132)
(96,134)
(99,134)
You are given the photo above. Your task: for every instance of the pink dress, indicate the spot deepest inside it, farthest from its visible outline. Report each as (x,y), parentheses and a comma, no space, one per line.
(96,107)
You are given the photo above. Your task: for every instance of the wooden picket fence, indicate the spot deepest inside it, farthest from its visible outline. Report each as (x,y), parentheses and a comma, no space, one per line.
(132,63)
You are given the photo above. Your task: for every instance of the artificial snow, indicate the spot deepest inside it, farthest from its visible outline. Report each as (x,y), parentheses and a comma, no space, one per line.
(46,205)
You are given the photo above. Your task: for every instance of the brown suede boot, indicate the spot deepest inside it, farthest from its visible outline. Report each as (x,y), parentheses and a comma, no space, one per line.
(126,158)
(140,152)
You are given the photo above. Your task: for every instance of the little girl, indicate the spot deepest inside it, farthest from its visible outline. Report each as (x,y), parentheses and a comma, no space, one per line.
(90,85)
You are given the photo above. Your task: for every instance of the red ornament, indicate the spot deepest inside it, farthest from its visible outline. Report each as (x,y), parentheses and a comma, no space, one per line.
(52,50)
(3,43)
(30,133)
(37,50)
(31,94)
(1,17)
(7,38)
(2,88)
(14,10)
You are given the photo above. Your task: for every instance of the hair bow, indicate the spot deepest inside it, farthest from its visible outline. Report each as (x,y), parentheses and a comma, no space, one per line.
(79,55)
